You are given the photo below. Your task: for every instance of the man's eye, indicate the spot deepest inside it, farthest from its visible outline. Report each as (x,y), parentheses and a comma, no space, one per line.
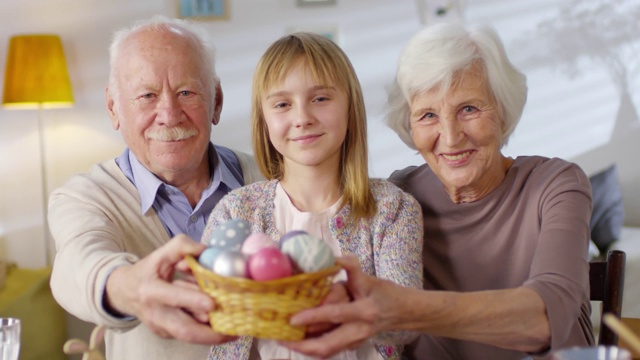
(185,93)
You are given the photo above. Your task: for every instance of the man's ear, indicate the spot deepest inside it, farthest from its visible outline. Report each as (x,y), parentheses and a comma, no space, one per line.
(111,109)
(217,109)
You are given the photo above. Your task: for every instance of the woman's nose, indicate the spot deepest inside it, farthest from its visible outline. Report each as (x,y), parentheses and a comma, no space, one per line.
(451,132)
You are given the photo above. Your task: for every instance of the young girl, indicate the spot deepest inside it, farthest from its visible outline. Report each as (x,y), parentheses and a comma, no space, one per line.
(310,142)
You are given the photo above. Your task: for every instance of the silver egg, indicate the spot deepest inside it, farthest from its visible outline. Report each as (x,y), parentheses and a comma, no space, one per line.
(230,263)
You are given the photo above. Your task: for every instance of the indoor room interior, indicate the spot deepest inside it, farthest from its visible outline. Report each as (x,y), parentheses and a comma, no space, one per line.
(581,58)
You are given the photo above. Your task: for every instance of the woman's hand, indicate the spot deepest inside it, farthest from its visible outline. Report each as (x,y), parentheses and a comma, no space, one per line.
(353,322)
(338,294)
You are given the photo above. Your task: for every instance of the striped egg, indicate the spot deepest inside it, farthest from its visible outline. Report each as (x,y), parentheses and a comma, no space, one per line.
(308,252)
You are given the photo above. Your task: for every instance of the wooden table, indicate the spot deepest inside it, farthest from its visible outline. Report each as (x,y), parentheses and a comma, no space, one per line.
(634,325)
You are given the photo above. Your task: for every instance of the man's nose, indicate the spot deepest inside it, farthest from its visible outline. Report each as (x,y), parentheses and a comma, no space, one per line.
(168,109)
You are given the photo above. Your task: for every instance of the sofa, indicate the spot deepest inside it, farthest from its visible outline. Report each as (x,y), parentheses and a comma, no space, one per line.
(25,294)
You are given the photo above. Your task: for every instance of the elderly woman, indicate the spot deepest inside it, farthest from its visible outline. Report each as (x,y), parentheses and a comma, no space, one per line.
(505,245)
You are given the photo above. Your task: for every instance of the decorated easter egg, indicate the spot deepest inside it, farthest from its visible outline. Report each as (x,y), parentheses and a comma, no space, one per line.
(208,256)
(230,263)
(269,263)
(295,269)
(255,242)
(308,252)
(292,233)
(230,235)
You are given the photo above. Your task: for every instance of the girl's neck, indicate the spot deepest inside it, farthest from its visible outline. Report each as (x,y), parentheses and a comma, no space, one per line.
(311,189)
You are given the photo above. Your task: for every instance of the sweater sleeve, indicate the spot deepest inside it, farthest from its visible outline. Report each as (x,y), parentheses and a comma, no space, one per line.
(560,268)
(95,228)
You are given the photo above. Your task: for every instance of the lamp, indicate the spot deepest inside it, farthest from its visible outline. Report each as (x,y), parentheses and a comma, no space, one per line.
(36,78)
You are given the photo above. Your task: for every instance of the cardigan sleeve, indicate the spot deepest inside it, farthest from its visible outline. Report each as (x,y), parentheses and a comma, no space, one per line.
(220,214)
(398,242)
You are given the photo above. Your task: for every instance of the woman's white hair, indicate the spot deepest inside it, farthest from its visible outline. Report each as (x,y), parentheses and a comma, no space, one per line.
(436,54)
(201,44)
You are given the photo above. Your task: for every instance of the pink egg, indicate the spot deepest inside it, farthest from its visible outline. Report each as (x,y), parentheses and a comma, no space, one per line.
(255,242)
(268,264)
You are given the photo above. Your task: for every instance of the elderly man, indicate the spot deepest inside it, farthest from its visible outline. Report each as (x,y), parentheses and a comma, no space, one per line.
(122,229)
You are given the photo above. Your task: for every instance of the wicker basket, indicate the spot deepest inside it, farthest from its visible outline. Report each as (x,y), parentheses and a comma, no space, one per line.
(262,308)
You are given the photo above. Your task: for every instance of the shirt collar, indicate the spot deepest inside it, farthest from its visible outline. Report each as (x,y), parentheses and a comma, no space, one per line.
(145,181)
(148,183)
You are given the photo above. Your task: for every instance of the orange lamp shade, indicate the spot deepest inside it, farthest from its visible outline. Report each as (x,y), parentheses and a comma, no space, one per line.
(36,73)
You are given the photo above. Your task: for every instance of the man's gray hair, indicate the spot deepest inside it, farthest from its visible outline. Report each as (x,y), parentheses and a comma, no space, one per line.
(192,31)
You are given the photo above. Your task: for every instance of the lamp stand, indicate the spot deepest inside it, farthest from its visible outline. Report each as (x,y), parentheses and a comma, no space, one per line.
(45,193)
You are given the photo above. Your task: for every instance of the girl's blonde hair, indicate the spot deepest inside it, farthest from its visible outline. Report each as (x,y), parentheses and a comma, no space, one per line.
(329,66)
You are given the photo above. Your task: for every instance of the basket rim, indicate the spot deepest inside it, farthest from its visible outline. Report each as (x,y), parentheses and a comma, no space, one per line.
(195,266)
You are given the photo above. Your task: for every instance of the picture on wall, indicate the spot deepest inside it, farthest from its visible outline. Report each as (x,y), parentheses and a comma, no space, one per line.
(203,9)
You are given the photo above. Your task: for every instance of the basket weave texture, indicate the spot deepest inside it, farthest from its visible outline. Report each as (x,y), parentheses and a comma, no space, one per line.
(262,309)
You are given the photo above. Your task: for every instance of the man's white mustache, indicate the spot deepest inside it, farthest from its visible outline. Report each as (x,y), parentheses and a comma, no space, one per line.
(172,134)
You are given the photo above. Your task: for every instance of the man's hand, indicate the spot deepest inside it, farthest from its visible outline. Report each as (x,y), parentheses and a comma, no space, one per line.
(171,309)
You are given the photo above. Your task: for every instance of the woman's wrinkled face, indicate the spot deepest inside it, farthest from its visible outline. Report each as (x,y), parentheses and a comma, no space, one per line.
(459,133)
